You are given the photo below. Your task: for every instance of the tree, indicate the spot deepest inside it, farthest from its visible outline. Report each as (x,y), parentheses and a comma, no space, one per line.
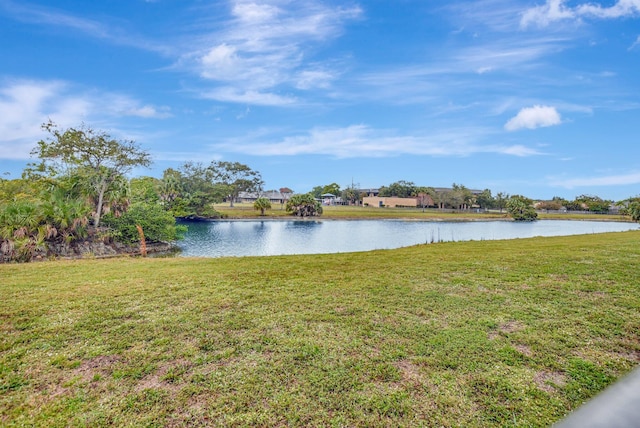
(286,194)
(190,191)
(262,204)
(521,209)
(553,205)
(145,189)
(463,196)
(426,196)
(332,188)
(634,210)
(304,206)
(399,189)
(317,192)
(594,203)
(90,154)
(631,207)
(351,194)
(485,200)
(235,178)
(157,224)
(501,200)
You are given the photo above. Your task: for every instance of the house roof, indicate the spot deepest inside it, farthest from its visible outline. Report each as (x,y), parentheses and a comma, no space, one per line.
(269,194)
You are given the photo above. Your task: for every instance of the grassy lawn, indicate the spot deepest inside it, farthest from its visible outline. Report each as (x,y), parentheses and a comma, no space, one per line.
(490,333)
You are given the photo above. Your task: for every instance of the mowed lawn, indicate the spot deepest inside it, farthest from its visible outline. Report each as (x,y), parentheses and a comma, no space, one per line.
(491,333)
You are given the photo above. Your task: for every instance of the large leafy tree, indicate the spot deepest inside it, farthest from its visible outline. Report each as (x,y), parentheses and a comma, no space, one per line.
(400,189)
(318,191)
(191,191)
(485,199)
(99,160)
(235,177)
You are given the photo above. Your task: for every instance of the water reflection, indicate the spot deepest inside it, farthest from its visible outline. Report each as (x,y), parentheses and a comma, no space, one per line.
(261,238)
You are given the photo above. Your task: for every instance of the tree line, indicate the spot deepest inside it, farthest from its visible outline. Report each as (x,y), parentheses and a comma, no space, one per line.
(459,196)
(77,189)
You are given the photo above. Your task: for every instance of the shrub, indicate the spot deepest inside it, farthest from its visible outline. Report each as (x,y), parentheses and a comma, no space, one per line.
(157,224)
(304,206)
(521,209)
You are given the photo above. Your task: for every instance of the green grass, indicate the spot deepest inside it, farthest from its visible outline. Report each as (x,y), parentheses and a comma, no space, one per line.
(491,333)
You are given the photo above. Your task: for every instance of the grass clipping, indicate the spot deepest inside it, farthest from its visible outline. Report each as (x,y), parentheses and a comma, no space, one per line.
(492,333)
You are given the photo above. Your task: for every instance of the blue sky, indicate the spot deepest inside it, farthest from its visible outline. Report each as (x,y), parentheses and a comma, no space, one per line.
(524,97)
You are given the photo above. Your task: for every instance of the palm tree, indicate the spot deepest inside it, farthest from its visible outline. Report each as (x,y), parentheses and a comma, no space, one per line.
(19,229)
(262,204)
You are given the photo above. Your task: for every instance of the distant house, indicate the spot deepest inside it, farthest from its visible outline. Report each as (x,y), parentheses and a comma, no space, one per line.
(369,192)
(274,196)
(328,199)
(377,201)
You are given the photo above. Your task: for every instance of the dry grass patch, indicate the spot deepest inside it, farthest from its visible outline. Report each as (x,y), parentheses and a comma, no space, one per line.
(550,382)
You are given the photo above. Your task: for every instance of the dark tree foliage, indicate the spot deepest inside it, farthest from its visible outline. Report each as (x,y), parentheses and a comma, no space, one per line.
(594,203)
(399,189)
(485,200)
(304,206)
(521,208)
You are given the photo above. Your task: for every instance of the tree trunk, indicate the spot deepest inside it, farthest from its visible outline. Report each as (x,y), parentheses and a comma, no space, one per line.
(102,188)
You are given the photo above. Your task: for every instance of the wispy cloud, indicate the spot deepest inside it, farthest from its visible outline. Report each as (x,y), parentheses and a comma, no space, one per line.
(252,97)
(557,10)
(26,104)
(609,180)
(364,141)
(41,15)
(534,117)
(266,45)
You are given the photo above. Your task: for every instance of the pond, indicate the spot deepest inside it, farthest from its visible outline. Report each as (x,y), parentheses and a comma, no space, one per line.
(277,237)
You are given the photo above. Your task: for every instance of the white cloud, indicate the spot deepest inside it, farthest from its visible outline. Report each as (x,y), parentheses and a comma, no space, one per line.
(264,46)
(519,151)
(309,79)
(357,141)
(553,10)
(26,104)
(41,15)
(620,9)
(254,13)
(534,117)
(233,95)
(556,10)
(611,180)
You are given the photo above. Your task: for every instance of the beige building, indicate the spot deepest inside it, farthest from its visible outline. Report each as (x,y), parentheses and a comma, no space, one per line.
(377,201)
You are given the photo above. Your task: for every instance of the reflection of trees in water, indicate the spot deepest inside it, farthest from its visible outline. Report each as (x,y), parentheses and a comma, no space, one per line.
(303,224)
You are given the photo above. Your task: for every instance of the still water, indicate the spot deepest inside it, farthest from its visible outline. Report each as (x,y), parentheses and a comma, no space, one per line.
(267,238)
